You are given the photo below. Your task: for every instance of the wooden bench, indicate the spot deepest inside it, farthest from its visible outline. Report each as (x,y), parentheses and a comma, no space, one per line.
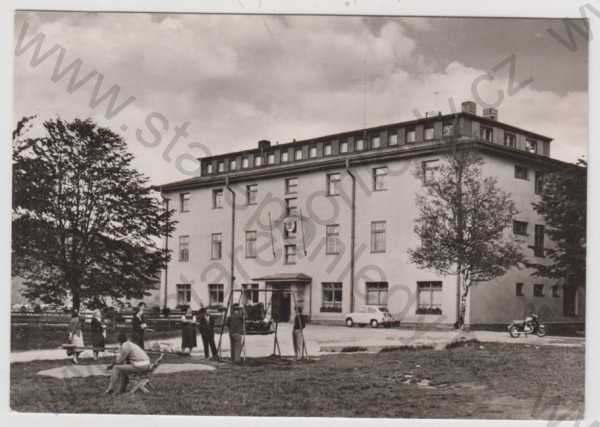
(142,378)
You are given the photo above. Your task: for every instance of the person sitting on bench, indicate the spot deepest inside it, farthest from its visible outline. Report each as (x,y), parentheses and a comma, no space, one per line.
(131,359)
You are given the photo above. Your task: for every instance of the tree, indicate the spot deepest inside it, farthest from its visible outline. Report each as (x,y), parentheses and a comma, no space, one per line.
(462,222)
(85,223)
(563,202)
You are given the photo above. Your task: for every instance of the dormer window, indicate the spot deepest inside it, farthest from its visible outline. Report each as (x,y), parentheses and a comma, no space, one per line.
(327,149)
(486,133)
(360,144)
(375,142)
(209,168)
(245,163)
(411,134)
(312,153)
(284,156)
(393,139)
(258,161)
(221,166)
(510,140)
(271,158)
(344,147)
(429,134)
(232,165)
(298,154)
(532,145)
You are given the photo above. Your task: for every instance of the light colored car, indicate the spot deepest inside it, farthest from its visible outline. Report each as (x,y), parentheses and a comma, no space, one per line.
(369,315)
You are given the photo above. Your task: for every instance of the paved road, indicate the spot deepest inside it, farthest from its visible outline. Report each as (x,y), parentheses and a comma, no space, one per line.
(322,339)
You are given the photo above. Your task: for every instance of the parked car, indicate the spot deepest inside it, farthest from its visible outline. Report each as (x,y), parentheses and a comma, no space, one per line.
(369,315)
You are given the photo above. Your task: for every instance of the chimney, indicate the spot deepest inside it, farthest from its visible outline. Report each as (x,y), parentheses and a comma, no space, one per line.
(469,107)
(264,144)
(490,113)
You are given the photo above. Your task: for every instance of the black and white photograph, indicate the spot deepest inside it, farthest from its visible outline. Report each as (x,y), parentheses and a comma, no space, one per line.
(252,213)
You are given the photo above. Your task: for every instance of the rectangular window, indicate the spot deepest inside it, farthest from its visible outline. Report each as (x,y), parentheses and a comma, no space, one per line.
(291,185)
(298,154)
(327,149)
(375,142)
(429,297)
(290,254)
(447,128)
(379,178)
(284,156)
(184,248)
(331,297)
(332,239)
(377,293)
(344,147)
(377,236)
(184,202)
(519,290)
(245,163)
(184,293)
(393,139)
(333,184)
(291,206)
(209,168)
(251,244)
(521,172)
(538,290)
(360,144)
(312,152)
(250,293)
(510,140)
(430,169)
(539,182)
(271,158)
(221,166)
(538,248)
(251,194)
(531,145)
(429,133)
(555,291)
(232,165)
(215,245)
(520,228)
(258,161)
(217,199)
(411,134)
(216,294)
(486,133)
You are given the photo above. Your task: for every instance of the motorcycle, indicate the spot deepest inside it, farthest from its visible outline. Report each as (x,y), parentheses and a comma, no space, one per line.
(530,325)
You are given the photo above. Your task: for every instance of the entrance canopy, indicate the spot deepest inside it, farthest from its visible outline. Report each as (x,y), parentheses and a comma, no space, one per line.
(285,278)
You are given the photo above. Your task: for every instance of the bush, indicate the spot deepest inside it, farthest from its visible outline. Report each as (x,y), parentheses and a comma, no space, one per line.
(37,308)
(166,311)
(155,309)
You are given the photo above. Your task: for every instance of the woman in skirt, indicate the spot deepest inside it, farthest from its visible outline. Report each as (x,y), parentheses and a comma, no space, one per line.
(75,336)
(98,333)
(188,331)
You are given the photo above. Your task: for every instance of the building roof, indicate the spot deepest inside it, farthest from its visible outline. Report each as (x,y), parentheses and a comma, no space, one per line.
(285,277)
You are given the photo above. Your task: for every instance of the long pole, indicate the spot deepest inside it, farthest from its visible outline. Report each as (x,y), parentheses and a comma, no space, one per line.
(352,233)
(166,252)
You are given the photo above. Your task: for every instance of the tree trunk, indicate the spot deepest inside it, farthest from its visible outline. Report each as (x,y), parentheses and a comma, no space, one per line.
(464,285)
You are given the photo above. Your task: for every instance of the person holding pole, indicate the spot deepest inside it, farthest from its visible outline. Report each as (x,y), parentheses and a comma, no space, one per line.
(297,334)
(207,331)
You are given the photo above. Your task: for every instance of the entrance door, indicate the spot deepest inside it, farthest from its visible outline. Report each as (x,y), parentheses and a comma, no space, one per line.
(281,306)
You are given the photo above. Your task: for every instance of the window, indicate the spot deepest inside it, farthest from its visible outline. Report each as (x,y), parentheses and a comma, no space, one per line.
(393,139)
(215,245)
(184,202)
(271,158)
(221,166)
(245,163)
(519,290)
(290,254)
(521,172)
(284,156)
(332,239)
(377,236)
(555,291)
(250,293)
(209,168)
(217,199)
(250,244)
(429,134)
(333,184)
(291,206)
(539,182)
(312,152)
(510,140)
(251,194)
(232,165)
(258,161)
(375,142)
(184,293)
(377,293)
(298,154)
(331,298)
(486,133)
(184,248)
(379,177)
(520,228)
(291,185)
(327,149)
(447,128)
(360,144)
(531,145)
(538,245)
(538,290)
(430,168)
(429,297)
(216,294)
(411,134)
(344,147)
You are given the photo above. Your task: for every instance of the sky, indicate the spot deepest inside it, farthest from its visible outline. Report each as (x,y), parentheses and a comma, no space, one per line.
(192,85)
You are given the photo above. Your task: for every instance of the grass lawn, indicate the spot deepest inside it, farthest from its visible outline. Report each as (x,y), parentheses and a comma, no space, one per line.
(470,381)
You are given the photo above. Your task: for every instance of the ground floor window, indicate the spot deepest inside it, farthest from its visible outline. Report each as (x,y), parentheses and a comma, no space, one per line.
(377,293)
(216,295)
(184,294)
(429,297)
(331,300)
(251,292)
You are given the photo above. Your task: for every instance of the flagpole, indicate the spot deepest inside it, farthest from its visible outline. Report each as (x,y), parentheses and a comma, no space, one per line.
(272,241)
(302,228)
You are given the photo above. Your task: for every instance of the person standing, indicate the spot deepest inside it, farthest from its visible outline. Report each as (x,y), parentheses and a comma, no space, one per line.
(235,324)
(298,335)
(188,331)
(75,336)
(98,333)
(207,331)
(131,359)
(138,325)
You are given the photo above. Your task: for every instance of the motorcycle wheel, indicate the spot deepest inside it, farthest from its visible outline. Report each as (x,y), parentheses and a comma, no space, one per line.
(514,332)
(541,331)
